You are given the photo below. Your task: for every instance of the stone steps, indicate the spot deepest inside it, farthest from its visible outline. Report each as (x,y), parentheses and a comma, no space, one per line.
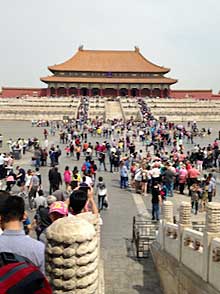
(113,110)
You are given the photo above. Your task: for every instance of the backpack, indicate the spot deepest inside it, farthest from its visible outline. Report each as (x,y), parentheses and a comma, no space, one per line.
(18,275)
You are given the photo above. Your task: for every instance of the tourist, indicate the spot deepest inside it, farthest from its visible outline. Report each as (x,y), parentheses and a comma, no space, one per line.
(67,176)
(211,187)
(13,238)
(80,202)
(2,166)
(156,200)
(183,174)
(101,158)
(55,211)
(168,179)
(123,175)
(21,179)
(196,192)
(33,189)
(101,191)
(55,179)
(10,180)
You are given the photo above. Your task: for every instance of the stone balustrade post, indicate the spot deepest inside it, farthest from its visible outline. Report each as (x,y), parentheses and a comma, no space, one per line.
(167,211)
(184,222)
(72,256)
(212,230)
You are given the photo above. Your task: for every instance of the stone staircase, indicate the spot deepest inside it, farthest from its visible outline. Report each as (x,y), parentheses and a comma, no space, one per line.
(113,110)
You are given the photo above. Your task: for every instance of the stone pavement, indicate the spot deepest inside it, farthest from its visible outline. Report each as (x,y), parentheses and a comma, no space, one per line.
(123,272)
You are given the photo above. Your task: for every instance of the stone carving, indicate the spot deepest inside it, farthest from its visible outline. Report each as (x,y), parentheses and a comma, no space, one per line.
(72,255)
(168,211)
(213,217)
(185,213)
(216,255)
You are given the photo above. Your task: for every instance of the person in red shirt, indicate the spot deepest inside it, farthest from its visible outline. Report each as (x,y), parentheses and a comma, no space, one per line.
(193,174)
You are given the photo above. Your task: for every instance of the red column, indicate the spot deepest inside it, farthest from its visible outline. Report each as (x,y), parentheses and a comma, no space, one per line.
(90,92)
(78,92)
(48,92)
(161,93)
(67,92)
(151,92)
(139,92)
(56,92)
(129,92)
(118,93)
(101,92)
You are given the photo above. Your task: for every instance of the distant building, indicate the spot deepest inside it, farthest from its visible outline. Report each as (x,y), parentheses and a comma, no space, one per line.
(108,73)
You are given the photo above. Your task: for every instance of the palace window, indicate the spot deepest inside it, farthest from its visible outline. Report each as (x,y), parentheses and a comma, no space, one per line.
(109,74)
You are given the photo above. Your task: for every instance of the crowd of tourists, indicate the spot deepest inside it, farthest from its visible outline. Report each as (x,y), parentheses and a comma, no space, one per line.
(154,158)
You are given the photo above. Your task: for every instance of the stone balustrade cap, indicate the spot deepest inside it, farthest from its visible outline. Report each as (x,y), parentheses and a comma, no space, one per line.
(70,230)
(213,205)
(167,203)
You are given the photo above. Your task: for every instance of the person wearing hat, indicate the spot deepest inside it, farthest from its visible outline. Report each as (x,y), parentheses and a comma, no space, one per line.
(58,209)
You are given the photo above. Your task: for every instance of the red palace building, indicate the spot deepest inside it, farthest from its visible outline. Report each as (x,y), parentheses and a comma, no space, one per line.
(108,73)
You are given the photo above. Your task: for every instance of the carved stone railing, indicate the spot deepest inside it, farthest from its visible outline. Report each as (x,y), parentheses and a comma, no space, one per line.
(192,250)
(214,263)
(198,251)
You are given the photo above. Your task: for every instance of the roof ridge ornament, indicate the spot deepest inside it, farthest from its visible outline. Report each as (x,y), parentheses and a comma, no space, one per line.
(80,48)
(136,49)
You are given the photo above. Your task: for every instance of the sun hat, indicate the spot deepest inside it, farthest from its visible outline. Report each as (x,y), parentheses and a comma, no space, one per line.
(60,207)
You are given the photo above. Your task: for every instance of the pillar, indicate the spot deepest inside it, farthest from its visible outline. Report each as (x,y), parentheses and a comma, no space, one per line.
(151,93)
(167,211)
(118,93)
(161,93)
(212,230)
(56,92)
(184,222)
(48,92)
(139,92)
(78,91)
(72,256)
(90,92)
(101,92)
(129,92)
(67,92)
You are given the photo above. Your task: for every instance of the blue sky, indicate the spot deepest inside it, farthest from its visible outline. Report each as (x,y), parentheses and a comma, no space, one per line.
(181,35)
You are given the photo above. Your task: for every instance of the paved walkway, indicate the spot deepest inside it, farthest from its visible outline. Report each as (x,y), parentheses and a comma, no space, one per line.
(123,272)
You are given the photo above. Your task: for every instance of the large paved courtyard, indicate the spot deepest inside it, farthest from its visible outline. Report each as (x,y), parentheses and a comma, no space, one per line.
(123,272)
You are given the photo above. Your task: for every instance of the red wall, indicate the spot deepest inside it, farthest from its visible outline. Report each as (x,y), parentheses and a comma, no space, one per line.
(18,92)
(197,94)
